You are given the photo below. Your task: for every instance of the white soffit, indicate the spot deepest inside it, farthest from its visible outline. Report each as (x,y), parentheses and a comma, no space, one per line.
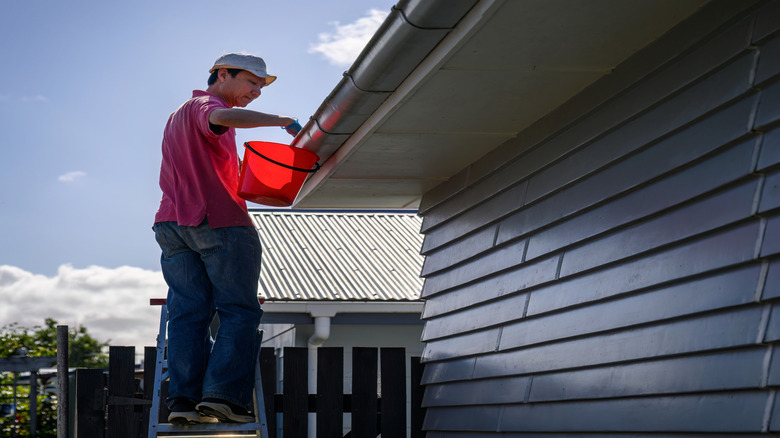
(504,66)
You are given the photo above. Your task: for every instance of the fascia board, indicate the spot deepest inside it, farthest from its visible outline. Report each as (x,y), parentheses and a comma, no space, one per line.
(330,309)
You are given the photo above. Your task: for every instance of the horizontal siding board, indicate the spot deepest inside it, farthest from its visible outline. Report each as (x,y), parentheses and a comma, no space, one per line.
(769,60)
(771,243)
(508,309)
(673,152)
(770,195)
(725,167)
(720,371)
(769,106)
(727,329)
(476,418)
(450,371)
(723,290)
(772,284)
(715,90)
(767,21)
(774,424)
(470,344)
(515,280)
(729,412)
(472,196)
(773,328)
(770,149)
(774,367)
(679,224)
(692,258)
(503,258)
(478,392)
(459,251)
(474,219)
(454,186)
(527,275)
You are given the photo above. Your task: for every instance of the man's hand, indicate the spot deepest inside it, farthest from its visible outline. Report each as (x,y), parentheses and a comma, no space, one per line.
(293,128)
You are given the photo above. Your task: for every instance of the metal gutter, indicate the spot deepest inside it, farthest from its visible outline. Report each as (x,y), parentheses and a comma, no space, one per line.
(406,37)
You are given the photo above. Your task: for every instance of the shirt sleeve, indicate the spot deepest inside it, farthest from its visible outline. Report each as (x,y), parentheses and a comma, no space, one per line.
(207,105)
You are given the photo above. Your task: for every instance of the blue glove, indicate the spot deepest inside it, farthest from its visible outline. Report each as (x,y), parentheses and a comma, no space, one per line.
(293,128)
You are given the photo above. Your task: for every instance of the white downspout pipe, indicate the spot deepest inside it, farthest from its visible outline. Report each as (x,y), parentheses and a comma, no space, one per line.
(321,334)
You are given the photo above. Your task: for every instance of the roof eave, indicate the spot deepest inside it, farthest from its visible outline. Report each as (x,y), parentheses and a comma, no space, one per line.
(330,309)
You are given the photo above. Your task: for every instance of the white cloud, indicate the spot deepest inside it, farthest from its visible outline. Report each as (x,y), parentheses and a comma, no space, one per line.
(71,176)
(345,43)
(113,304)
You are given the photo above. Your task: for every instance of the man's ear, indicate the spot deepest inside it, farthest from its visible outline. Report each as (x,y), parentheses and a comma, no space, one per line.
(222,74)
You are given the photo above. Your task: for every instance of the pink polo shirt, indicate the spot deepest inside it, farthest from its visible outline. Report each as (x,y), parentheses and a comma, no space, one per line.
(199,171)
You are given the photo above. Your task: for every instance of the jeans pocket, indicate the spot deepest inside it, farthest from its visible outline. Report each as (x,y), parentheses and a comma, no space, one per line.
(162,231)
(206,241)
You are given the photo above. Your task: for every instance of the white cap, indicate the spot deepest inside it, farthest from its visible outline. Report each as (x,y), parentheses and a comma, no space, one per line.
(252,64)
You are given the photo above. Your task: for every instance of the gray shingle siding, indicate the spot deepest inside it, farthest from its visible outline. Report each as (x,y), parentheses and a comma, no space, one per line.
(620,274)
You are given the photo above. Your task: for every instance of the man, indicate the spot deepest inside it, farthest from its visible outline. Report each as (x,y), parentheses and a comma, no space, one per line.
(210,248)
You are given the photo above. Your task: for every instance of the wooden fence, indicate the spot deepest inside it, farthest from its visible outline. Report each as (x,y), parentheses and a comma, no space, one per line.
(116,404)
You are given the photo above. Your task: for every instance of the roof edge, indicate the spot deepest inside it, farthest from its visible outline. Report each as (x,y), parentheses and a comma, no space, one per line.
(331,309)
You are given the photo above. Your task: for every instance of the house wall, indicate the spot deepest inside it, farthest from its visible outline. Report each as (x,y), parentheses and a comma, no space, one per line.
(620,271)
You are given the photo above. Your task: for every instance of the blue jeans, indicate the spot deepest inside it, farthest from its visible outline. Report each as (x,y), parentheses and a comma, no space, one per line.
(207,272)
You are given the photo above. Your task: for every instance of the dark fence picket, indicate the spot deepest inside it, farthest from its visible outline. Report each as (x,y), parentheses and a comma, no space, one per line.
(393,372)
(364,392)
(417,414)
(330,392)
(150,357)
(121,387)
(268,373)
(295,393)
(373,413)
(90,419)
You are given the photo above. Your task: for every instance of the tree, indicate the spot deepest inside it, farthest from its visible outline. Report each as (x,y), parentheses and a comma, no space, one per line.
(83,351)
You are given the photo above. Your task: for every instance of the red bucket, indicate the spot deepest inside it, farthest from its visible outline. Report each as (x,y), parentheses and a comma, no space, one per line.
(273,173)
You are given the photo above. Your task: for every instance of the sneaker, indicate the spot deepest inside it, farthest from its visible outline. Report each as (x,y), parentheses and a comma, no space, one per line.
(183,412)
(224,411)
(206,420)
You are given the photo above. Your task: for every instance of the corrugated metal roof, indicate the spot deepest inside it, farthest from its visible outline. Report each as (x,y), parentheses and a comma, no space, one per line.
(339,256)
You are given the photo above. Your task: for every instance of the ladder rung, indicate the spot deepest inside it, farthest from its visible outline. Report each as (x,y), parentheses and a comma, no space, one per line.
(207,427)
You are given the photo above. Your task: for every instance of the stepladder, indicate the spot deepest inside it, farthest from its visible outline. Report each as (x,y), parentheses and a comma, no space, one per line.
(158,427)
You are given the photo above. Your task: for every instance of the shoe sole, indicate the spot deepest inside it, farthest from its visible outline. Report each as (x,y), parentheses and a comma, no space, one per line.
(206,419)
(184,418)
(223,413)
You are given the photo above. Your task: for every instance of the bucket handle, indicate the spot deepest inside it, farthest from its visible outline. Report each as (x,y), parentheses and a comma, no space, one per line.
(312,170)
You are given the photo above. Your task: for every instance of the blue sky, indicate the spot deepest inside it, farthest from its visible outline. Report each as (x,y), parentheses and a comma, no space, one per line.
(85,91)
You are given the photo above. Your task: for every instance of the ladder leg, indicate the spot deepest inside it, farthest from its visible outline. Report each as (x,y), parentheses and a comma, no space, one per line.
(259,396)
(154,412)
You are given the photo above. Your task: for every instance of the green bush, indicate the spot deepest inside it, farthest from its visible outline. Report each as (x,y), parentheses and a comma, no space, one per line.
(18,425)
(83,351)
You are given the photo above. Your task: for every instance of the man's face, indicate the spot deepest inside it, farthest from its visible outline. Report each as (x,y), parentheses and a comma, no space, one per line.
(241,90)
